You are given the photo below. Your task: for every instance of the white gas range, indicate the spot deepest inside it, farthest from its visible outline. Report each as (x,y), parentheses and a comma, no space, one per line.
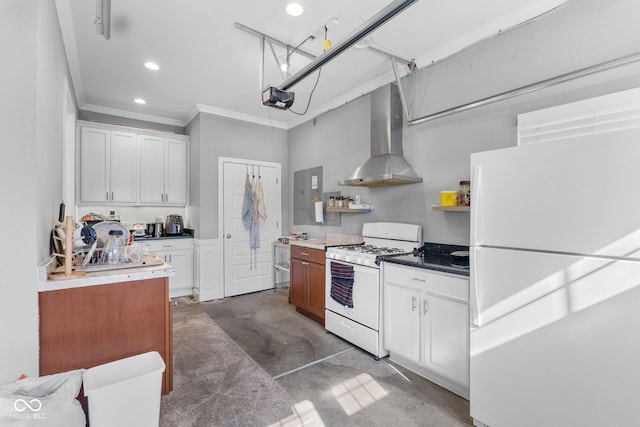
(353,288)
(365,254)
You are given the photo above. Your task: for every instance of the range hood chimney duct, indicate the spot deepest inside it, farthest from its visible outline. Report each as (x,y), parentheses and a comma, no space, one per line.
(386,166)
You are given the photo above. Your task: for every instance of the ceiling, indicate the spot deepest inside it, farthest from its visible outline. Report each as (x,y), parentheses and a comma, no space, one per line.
(209,65)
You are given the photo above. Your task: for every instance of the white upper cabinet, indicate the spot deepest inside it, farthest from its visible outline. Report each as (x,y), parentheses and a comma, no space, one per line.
(126,166)
(108,166)
(152,169)
(164,171)
(177,172)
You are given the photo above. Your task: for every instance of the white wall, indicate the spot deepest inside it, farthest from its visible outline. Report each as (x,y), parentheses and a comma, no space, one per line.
(18,252)
(214,136)
(585,33)
(31,110)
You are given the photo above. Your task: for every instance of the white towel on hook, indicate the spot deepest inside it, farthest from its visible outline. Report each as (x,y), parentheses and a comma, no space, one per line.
(247,204)
(258,194)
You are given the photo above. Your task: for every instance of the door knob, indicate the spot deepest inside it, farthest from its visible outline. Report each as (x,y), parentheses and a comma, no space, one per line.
(228,236)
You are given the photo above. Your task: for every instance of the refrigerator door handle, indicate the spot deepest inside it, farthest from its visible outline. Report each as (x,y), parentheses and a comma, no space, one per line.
(473,301)
(476,179)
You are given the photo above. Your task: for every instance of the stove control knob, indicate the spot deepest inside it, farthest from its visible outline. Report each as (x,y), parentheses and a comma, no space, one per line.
(330,255)
(367,262)
(347,258)
(360,261)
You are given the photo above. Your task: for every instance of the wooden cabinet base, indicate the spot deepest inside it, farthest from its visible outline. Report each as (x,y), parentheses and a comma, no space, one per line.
(88,326)
(306,286)
(310,315)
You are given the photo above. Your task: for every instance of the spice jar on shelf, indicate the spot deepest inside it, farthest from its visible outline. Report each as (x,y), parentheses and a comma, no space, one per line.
(464,198)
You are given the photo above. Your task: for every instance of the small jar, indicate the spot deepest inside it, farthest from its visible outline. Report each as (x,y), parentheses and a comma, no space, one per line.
(332,202)
(464,199)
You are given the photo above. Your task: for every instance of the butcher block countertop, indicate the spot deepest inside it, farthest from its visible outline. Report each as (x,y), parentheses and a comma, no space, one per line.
(331,239)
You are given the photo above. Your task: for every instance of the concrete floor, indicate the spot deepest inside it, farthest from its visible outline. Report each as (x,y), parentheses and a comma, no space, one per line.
(331,382)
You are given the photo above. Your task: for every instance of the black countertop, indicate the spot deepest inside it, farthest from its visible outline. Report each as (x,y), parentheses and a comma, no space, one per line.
(187,234)
(434,256)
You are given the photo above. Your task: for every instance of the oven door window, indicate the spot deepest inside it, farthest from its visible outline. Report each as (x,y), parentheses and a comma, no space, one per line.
(366,296)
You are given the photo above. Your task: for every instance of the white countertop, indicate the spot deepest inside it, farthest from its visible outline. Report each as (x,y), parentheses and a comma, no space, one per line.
(108,277)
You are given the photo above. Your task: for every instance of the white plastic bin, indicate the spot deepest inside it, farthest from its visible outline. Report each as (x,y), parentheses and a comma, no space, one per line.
(125,392)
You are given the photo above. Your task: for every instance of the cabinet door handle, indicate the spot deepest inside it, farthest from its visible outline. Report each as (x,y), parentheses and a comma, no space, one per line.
(425,305)
(413,303)
(305,263)
(166,197)
(107,196)
(419,279)
(304,253)
(112,196)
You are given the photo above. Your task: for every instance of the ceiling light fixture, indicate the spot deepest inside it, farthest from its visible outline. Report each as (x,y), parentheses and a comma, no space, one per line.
(294,9)
(140,101)
(152,66)
(103,18)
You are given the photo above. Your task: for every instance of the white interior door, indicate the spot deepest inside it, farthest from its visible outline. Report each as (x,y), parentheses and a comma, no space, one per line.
(247,270)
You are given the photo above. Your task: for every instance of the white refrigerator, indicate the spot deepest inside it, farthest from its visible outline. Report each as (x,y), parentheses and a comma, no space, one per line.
(555,283)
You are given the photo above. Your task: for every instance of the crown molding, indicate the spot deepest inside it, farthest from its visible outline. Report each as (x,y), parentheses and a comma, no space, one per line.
(131,115)
(202,108)
(65,18)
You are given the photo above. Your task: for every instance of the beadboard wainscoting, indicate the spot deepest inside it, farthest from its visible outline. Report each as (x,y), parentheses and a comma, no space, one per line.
(209,270)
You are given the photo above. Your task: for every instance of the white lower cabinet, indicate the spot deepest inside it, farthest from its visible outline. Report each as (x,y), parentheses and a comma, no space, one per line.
(426,324)
(179,254)
(402,321)
(445,337)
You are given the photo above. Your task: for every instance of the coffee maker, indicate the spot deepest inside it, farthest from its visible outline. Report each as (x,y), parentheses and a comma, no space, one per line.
(173,225)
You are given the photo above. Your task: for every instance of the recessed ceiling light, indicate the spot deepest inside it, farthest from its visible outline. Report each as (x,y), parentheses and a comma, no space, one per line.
(152,66)
(294,9)
(139,101)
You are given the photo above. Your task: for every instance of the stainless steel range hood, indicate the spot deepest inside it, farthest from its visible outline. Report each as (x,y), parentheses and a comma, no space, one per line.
(386,166)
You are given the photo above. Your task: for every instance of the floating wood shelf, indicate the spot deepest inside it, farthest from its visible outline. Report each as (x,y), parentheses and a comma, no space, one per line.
(451,208)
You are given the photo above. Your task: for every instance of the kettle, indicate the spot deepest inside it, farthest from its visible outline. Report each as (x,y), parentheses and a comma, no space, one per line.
(173,225)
